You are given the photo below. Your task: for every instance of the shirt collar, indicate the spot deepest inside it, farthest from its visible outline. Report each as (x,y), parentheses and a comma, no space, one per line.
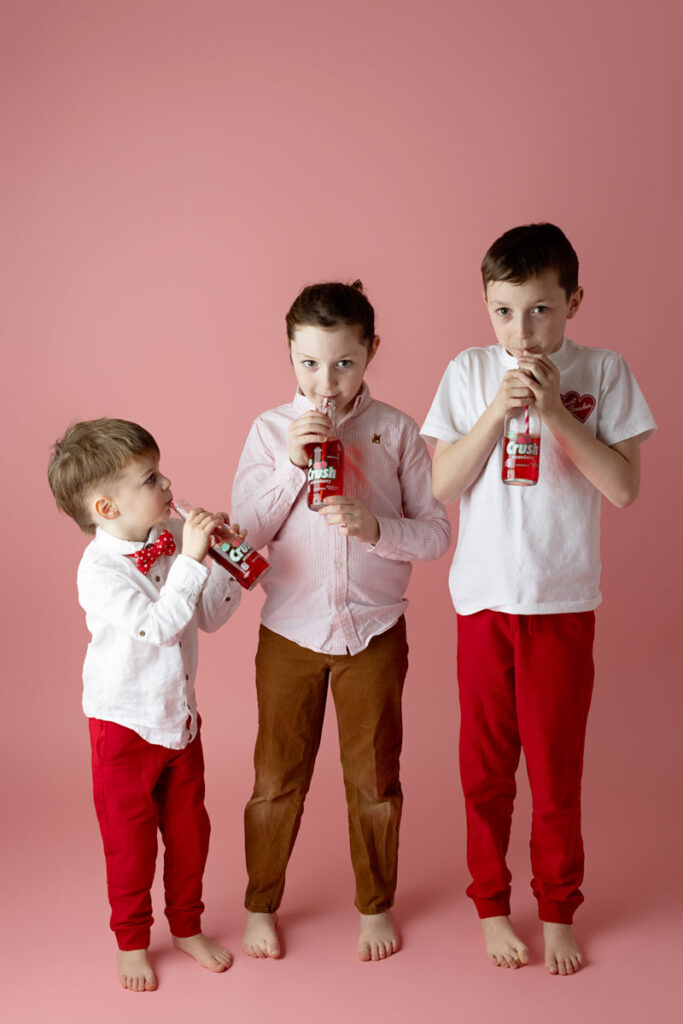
(118,546)
(362,399)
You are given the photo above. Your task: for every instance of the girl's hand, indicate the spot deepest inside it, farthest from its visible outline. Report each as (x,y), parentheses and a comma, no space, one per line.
(514,391)
(352,518)
(309,428)
(197,531)
(544,381)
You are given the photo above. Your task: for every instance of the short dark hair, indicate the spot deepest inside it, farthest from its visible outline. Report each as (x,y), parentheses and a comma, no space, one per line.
(528,251)
(93,453)
(332,304)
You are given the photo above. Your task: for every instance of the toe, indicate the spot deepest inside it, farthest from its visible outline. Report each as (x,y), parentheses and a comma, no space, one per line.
(364,952)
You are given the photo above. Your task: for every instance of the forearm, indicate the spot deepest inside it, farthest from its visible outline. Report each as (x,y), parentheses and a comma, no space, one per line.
(456,466)
(219,599)
(613,470)
(410,540)
(262,502)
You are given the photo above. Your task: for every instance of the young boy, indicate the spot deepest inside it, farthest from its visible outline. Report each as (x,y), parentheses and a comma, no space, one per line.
(145,591)
(525,575)
(334,610)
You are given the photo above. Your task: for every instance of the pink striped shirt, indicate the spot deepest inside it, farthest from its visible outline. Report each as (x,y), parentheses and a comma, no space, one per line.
(328,592)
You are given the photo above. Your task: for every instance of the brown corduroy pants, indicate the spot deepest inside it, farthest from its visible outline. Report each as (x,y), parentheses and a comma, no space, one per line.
(292,683)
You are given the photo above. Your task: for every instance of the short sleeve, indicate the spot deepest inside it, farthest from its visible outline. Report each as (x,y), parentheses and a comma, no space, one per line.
(622,410)
(447,419)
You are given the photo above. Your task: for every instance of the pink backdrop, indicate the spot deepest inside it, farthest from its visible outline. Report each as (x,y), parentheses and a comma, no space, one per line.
(174,173)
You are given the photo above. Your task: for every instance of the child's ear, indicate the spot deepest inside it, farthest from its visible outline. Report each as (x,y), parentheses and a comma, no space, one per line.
(373,348)
(574,303)
(106,509)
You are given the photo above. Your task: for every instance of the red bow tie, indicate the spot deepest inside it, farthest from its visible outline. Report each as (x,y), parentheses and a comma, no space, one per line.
(147,556)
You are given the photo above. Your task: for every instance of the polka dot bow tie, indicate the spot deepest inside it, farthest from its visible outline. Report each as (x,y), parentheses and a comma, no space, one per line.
(147,556)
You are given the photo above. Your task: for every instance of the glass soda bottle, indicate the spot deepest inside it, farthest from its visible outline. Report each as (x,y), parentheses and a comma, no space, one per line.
(521,447)
(325,464)
(231,551)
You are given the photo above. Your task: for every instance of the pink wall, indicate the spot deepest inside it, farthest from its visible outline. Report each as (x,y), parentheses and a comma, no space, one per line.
(175,172)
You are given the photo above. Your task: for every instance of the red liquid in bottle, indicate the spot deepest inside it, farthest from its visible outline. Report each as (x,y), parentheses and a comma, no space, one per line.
(236,556)
(233,553)
(521,455)
(325,471)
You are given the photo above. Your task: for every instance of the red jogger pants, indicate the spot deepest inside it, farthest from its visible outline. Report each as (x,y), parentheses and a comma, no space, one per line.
(140,787)
(525,682)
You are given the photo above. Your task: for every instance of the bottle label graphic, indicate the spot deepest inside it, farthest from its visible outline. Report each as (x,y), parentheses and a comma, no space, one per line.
(325,465)
(521,456)
(232,552)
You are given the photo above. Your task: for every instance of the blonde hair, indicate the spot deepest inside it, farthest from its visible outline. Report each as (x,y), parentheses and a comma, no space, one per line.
(93,453)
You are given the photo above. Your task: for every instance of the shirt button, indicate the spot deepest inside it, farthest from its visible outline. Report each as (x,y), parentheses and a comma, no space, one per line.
(340,607)
(157,579)
(227,599)
(179,644)
(141,633)
(187,678)
(340,565)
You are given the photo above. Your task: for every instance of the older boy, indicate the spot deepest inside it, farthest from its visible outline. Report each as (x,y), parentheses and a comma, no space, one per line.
(145,591)
(525,575)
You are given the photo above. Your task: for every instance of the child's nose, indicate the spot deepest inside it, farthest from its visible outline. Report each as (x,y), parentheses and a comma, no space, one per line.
(165,483)
(524,327)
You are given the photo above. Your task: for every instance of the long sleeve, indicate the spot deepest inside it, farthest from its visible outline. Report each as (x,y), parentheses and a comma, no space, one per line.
(266,484)
(219,599)
(119,598)
(423,531)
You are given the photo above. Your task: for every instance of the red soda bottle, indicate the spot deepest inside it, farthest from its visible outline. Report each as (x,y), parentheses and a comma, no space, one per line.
(227,548)
(325,464)
(521,447)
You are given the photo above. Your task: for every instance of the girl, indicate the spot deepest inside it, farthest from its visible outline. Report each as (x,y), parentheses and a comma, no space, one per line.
(334,607)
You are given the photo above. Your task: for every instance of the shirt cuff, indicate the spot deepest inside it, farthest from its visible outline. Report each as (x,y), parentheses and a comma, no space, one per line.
(389,537)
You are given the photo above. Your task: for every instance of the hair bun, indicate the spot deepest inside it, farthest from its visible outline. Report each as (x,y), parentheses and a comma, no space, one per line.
(358,285)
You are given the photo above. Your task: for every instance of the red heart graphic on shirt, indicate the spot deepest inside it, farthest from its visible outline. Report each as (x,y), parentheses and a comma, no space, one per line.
(580,406)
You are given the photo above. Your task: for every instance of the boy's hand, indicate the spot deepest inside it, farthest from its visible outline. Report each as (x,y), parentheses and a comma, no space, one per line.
(352,518)
(309,428)
(543,379)
(197,531)
(514,391)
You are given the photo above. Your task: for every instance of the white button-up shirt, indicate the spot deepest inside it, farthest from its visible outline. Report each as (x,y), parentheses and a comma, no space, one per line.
(325,591)
(141,662)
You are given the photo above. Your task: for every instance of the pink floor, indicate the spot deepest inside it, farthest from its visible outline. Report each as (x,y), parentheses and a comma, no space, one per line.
(63,958)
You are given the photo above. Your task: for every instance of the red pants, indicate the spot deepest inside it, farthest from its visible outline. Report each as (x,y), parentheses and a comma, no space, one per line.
(525,683)
(140,787)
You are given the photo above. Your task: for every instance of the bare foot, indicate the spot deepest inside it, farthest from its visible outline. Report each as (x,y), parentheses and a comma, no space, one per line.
(135,970)
(260,936)
(503,945)
(562,955)
(378,936)
(207,953)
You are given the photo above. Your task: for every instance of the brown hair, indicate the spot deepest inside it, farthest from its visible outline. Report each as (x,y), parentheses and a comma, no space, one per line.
(93,454)
(332,304)
(528,251)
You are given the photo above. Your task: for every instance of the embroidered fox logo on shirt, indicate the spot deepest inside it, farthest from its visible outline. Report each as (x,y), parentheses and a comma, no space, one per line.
(376,438)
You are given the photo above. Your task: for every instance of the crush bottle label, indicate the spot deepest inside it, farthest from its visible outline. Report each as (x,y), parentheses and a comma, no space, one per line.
(521,456)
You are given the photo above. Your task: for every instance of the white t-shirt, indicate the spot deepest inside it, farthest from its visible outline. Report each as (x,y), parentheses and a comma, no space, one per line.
(534,550)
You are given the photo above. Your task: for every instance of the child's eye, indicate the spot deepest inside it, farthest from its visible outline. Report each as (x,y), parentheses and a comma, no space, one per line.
(308,363)
(540,309)
(151,479)
(502,311)
(345,363)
